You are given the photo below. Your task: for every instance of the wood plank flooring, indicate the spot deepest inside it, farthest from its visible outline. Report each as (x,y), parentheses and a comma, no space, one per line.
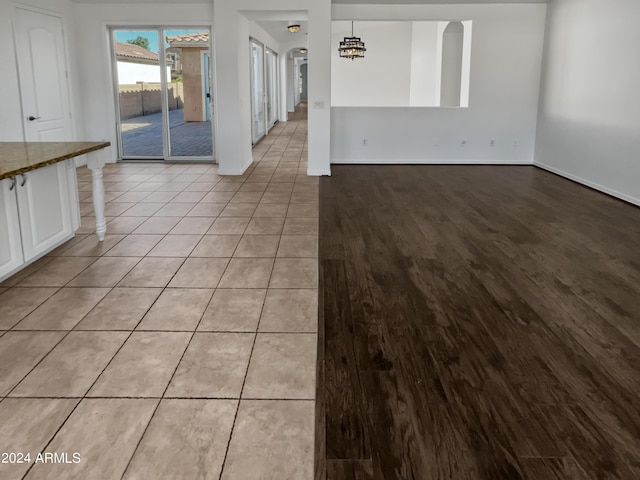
(476,323)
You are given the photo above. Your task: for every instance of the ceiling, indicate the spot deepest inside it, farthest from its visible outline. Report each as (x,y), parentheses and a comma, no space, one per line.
(427,2)
(278,30)
(399,2)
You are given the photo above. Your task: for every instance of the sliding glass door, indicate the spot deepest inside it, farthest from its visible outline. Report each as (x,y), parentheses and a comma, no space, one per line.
(163,89)
(264,89)
(258,125)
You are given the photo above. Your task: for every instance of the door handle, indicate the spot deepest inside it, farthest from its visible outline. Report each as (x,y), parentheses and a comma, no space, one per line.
(24,179)
(32,118)
(13,183)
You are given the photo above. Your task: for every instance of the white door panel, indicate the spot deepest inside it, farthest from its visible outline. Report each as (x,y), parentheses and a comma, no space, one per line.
(40,54)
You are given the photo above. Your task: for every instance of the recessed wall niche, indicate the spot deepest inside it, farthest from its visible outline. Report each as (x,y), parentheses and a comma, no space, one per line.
(407,64)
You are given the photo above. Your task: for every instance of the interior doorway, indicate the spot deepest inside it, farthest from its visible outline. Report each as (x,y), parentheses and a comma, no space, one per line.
(162,82)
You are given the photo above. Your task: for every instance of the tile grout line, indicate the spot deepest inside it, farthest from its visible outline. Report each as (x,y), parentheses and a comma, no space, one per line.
(90,387)
(193,334)
(255,338)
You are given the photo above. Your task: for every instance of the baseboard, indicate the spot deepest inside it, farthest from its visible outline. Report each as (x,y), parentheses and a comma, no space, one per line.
(319,173)
(412,161)
(590,184)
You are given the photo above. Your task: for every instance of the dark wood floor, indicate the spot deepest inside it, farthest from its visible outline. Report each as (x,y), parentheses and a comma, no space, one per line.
(477,323)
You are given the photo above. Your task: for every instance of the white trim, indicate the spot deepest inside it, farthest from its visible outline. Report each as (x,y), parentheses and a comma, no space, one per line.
(166,157)
(588,183)
(420,161)
(319,173)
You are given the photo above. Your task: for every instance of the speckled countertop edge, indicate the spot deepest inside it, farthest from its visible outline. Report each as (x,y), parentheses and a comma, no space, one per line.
(27,166)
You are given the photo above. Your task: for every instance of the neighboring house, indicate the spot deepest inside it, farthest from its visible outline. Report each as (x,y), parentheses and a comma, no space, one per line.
(190,53)
(137,64)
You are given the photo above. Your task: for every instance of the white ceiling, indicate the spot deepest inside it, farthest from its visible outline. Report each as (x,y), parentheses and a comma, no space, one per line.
(399,2)
(278,30)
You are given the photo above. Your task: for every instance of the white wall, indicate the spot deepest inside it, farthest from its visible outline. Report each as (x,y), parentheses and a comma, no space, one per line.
(383,76)
(589,115)
(504,86)
(424,43)
(130,73)
(319,87)
(11,125)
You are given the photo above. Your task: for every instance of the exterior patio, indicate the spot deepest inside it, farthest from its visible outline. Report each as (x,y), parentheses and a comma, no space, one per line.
(142,136)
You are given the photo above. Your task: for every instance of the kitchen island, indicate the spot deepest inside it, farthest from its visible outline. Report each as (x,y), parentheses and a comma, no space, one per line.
(39,208)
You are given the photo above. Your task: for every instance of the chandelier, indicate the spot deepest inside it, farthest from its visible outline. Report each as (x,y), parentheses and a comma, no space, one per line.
(352,47)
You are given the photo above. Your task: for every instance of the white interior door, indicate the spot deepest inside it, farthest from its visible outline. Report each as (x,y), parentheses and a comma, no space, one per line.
(42,66)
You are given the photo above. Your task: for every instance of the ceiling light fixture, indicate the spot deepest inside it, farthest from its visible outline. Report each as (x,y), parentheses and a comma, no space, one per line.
(352,47)
(303,50)
(293,28)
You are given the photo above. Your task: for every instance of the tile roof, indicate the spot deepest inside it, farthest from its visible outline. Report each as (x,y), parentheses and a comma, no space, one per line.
(129,50)
(193,38)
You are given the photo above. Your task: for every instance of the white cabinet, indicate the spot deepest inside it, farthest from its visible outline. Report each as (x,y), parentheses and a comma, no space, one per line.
(10,243)
(35,215)
(43,203)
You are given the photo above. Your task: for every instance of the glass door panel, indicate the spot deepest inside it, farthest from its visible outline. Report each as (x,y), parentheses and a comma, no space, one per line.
(272,87)
(189,93)
(258,125)
(139,92)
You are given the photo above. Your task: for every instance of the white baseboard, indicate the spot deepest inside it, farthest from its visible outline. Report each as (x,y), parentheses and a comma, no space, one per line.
(588,183)
(319,173)
(412,161)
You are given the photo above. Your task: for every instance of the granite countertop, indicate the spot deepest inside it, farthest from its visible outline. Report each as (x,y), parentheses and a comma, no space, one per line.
(22,157)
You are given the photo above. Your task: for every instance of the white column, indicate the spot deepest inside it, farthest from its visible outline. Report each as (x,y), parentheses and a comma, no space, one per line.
(282,65)
(319,75)
(95,162)
(232,89)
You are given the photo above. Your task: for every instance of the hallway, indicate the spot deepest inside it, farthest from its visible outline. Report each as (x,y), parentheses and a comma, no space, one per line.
(182,347)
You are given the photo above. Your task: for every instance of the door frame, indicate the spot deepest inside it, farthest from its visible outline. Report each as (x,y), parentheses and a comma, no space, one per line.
(276,89)
(207,101)
(266,96)
(159,28)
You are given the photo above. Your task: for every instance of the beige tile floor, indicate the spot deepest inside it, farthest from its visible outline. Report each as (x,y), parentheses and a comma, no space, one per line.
(184,345)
